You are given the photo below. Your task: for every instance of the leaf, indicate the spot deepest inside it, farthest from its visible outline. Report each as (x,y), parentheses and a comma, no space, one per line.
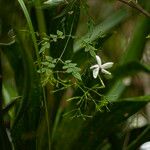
(4,140)
(27,16)
(145,98)
(69,70)
(133,53)
(46,39)
(48,58)
(50,65)
(30,105)
(148,37)
(126,70)
(65,67)
(92,132)
(129,69)
(76,69)
(101,29)
(42,70)
(68,61)
(45,63)
(77,75)
(10,105)
(66,23)
(54,37)
(72,65)
(92,53)
(69,65)
(60,34)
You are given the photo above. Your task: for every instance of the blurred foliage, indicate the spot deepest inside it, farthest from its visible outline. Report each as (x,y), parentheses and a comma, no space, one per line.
(49,98)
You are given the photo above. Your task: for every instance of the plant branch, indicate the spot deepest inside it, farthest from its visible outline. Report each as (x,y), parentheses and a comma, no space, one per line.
(136,6)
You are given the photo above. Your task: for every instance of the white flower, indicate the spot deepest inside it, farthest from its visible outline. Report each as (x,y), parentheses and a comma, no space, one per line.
(101,67)
(145,146)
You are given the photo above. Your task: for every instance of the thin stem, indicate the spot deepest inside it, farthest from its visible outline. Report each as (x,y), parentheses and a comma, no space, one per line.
(66,42)
(126,141)
(47,119)
(103,85)
(138,138)
(136,6)
(56,121)
(9,43)
(90,89)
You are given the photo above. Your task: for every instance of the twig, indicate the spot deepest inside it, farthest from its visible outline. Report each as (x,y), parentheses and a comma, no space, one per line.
(136,6)
(9,43)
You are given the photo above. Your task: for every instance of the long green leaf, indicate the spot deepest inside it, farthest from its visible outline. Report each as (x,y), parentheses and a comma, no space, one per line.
(129,69)
(124,71)
(102,29)
(32,32)
(4,140)
(133,53)
(26,120)
(92,133)
(145,98)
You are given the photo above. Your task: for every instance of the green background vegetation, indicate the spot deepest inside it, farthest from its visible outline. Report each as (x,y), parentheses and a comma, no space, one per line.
(48,102)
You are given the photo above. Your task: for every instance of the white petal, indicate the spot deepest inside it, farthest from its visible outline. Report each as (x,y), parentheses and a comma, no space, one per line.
(98,59)
(94,66)
(107,65)
(106,72)
(145,146)
(48,2)
(95,72)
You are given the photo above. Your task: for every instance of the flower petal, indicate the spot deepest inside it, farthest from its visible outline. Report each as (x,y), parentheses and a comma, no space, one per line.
(95,72)
(107,65)
(145,146)
(94,66)
(106,72)
(98,59)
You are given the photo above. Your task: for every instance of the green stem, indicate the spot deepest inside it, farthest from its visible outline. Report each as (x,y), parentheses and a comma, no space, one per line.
(40,17)
(56,121)
(25,11)
(47,119)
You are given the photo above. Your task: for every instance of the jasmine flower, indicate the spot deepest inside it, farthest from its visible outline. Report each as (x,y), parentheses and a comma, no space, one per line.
(101,67)
(145,146)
